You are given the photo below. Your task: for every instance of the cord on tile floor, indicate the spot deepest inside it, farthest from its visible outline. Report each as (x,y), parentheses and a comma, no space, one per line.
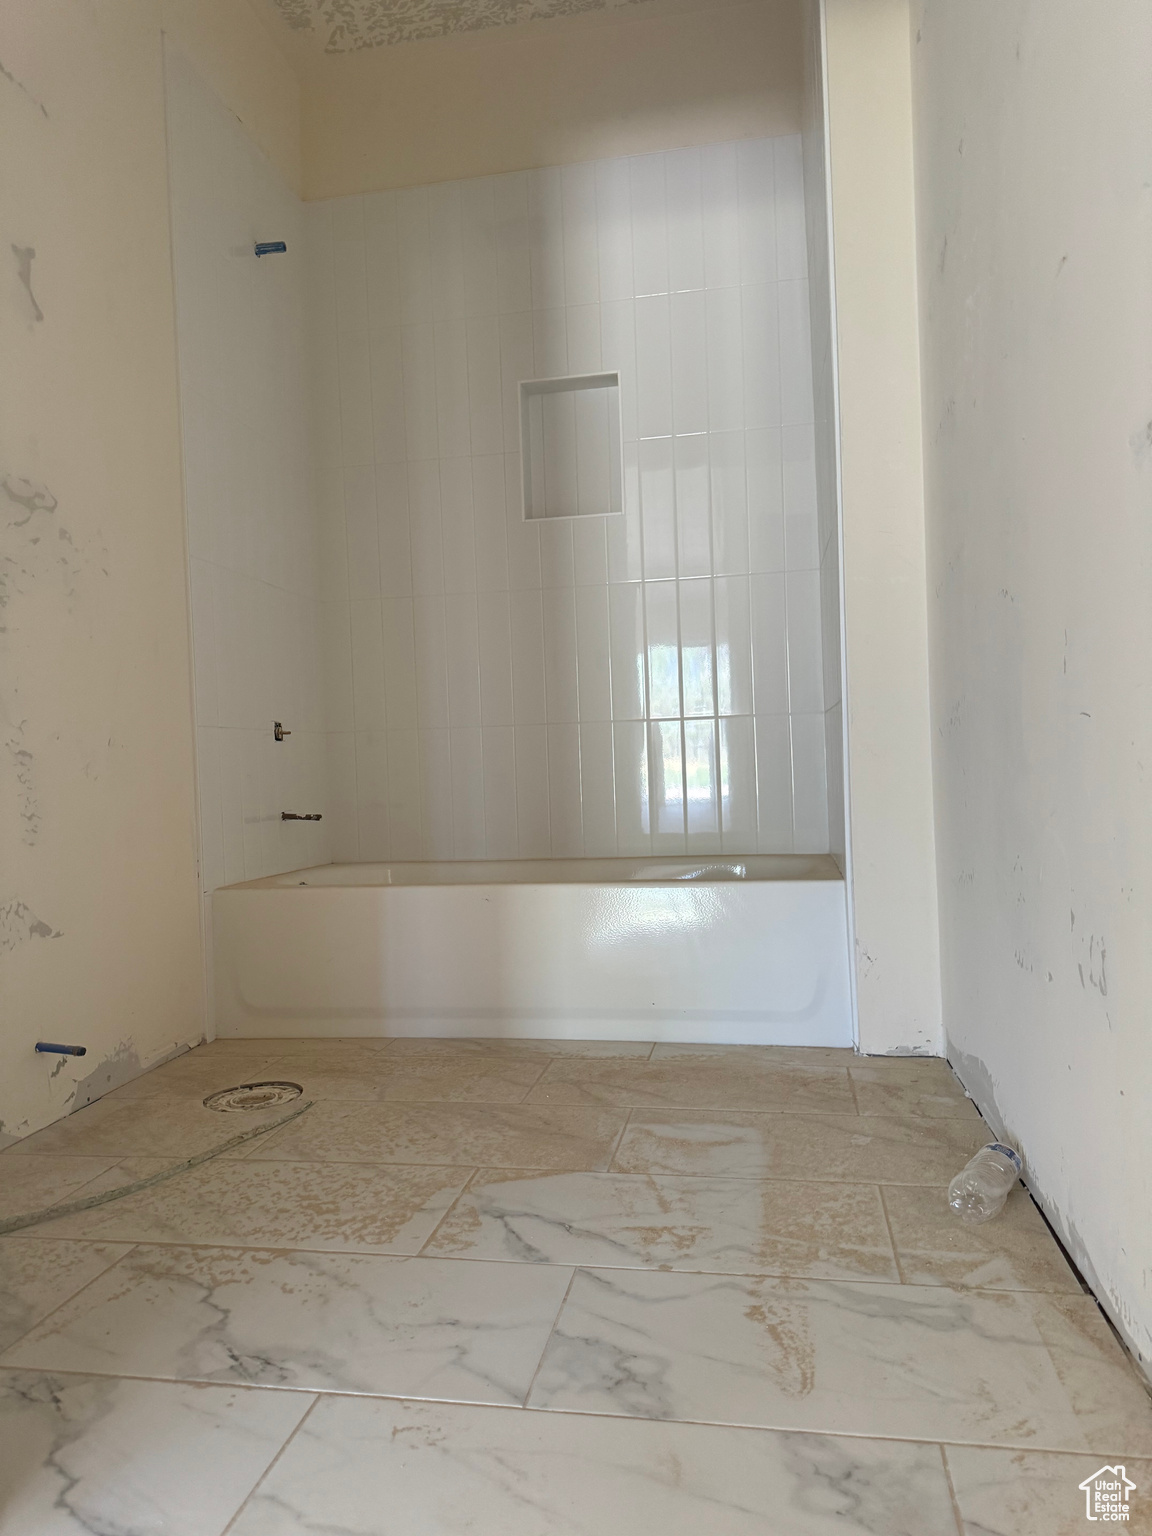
(71,1207)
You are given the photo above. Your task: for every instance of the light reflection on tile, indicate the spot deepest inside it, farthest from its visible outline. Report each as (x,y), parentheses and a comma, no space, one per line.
(343,1322)
(988,1367)
(445,1468)
(85,1453)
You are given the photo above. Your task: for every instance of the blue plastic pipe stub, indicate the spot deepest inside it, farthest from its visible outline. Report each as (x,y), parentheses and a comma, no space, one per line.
(270,247)
(62,1050)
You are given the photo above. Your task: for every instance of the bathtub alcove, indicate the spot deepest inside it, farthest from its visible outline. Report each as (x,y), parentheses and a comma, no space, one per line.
(573,727)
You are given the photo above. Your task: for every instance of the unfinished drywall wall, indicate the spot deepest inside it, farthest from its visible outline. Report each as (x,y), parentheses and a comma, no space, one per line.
(885,622)
(236,49)
(1035,233)
(628,81)
(99,927)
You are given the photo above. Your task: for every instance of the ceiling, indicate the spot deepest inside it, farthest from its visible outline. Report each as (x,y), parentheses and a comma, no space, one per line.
(346,26)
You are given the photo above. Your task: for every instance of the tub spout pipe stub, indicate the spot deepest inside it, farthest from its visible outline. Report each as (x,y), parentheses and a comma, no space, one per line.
(47,1046)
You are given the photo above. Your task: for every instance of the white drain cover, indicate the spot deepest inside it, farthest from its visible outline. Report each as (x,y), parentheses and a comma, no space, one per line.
(253,1096)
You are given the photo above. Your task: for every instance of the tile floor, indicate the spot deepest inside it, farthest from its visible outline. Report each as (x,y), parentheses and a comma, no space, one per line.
(545,1289)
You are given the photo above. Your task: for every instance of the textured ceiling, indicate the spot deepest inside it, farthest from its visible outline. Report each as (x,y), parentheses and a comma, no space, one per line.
(344,26)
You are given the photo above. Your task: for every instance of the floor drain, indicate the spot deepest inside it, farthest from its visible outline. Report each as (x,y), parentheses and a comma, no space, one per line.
(253,1096)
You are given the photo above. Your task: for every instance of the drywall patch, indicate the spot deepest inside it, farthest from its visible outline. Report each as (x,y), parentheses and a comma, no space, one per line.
(27,494)
(20,925)
(1141,445)
(978,1084)
(25,255)
(114,1071)
(27,805)
(28,551)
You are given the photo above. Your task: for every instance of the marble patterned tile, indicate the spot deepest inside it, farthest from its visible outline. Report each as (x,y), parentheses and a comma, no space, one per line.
(433,1079)
(1008,1368)
(696,1080)
(196,1074)
(887,1085)
(803,1057)
(301,1045)
(412,1046)
(158,1125)
(28,1182)
(443,1328)
(1036,1493)
(1013,1252)
(491,1135)
(440,1469)
(833,1231)
(38,1276)
(844,1148)
(334,1207)
(82,1455)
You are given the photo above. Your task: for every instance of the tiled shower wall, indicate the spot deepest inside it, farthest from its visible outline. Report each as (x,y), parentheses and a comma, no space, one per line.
(815,154)
(252,531)
(648,682)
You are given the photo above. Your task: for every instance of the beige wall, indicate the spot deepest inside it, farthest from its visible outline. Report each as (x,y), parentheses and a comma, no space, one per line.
(99,928)
(1033,126)
(650,77)
(886,685)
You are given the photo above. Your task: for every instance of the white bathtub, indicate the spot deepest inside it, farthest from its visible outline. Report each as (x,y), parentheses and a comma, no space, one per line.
(732,950)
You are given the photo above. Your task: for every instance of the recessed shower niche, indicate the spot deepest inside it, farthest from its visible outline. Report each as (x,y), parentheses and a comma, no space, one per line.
(570,446)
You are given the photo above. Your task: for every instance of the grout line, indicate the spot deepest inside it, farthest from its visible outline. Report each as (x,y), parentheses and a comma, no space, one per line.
(304,1417)
(852,1088)
(320,1393)
(131,1249)
(959,1518)
(617,1142)
(667,1173)
(551,1332)
(891,1237)
(460,1193)
(549,1063)
(769,1273)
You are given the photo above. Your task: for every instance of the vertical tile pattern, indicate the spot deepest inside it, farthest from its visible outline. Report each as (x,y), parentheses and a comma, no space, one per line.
(588,685)
(802,251)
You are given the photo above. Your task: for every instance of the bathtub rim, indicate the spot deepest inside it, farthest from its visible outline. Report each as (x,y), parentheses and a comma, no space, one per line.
(791,868)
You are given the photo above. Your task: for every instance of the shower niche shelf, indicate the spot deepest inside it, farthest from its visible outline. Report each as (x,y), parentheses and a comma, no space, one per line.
(570,446)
